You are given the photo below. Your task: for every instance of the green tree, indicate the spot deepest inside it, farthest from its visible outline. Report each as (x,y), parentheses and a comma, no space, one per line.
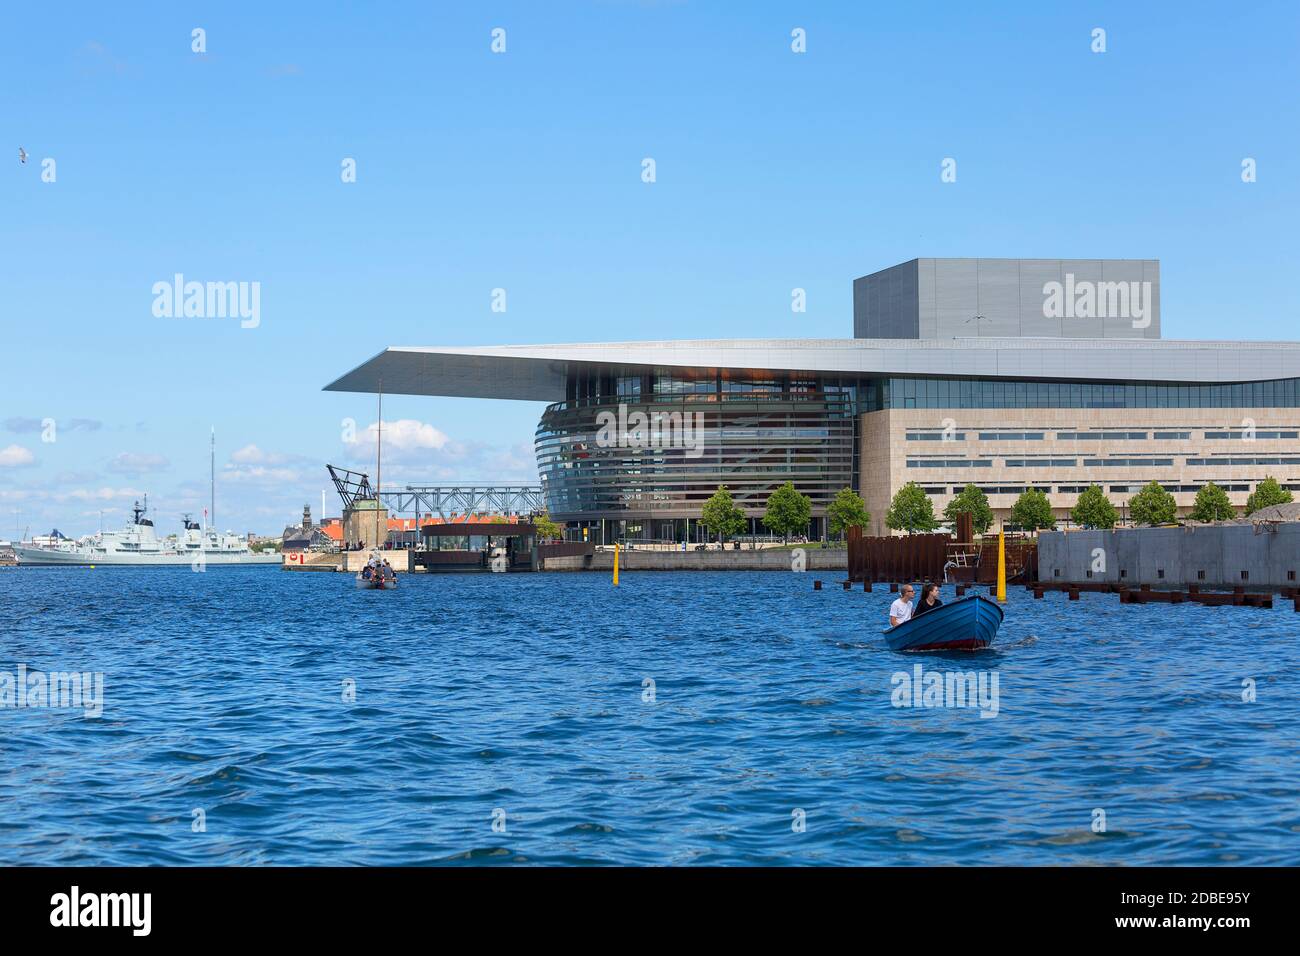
(911,510)
(721,516)
(1094,510)
(847,510)
(1267,493)
(1032,510)
(1153,505)
(1212,504)
(976,502)
(546,528)
(787,511)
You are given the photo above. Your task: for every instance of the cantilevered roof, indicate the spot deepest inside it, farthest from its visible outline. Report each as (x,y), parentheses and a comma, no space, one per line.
(537,372)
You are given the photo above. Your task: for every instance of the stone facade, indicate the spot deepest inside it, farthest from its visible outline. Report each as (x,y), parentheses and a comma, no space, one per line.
(891,440)
(361,525)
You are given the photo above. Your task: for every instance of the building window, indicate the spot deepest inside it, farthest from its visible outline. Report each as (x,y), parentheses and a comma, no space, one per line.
(935,436)
(1160,573)
(1200,575)
(1245,575)
(1000,393)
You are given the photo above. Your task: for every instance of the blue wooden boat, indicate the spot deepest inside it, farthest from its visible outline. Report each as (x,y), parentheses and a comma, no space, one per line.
(967,624)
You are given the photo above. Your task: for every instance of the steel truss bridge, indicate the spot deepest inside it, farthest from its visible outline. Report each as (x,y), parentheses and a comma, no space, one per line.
(464,500)
(441,500)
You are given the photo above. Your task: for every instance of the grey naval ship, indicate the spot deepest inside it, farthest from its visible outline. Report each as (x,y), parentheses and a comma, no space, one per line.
(138,543)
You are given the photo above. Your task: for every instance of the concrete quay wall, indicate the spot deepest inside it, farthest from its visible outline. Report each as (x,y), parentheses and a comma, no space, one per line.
(1214,556)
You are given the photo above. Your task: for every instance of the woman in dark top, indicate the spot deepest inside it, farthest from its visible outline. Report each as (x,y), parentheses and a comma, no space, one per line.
(929,600)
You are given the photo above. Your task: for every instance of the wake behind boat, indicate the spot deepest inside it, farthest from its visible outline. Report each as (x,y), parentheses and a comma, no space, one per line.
(968,624)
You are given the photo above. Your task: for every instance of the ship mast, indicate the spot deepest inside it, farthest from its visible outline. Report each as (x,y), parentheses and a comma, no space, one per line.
(379,462)
(212,479)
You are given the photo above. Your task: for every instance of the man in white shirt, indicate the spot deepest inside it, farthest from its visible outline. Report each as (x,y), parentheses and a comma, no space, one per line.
(901,610)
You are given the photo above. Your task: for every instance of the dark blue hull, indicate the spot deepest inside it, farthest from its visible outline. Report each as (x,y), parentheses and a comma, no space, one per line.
(964,625)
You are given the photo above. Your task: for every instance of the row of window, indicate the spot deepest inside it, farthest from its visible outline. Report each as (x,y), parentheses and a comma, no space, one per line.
(1126,462)
(949,462)
(605,382)
(1135,462)
(977,393)
(1246,435)
(1080,489)
(1042,462)
(1222,461)
(1099,436)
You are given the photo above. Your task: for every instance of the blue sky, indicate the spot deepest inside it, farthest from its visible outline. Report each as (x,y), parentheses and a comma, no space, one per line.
(522,171)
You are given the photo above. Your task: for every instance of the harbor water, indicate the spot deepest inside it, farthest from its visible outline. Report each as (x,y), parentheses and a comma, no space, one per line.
(253,716)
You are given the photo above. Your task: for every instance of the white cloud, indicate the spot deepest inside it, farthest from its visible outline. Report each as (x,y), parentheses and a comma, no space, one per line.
(256,473)
(252,455)
(16,456)
(73,478)
(100,494)
(407,434)
(423,454)
(104,493)
(254,467)
(407,441)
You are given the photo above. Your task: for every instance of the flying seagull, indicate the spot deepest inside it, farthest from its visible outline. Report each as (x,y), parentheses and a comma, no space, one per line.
(22,155)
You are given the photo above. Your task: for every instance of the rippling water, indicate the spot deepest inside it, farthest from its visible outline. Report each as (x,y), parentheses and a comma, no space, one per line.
(224,692)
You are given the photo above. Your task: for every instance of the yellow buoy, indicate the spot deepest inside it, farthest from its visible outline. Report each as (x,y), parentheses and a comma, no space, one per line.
(1002,567)
(615,564)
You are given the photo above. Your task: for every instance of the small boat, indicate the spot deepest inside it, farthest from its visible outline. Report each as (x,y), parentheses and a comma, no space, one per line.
(967,624)
(377,577)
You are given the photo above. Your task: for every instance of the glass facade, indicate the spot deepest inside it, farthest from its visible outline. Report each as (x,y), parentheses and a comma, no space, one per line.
(660,451)
(1007,393)
(638,444)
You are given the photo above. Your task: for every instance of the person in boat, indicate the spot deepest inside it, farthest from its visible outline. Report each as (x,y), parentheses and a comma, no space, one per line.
(929,600)
(901,610)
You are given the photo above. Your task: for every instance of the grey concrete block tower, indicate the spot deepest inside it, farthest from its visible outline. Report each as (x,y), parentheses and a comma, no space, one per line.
(1010,298)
